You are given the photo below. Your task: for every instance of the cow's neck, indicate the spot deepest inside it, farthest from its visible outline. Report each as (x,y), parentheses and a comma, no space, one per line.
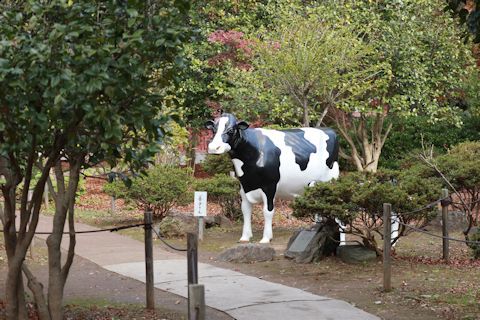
(244,147)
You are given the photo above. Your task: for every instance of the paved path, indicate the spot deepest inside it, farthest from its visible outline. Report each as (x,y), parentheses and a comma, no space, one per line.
(239,295)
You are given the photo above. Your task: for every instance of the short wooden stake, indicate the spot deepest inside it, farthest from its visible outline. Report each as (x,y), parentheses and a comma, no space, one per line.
(445,224)
(150,293)
(196,302)
(112,204)
(387,247)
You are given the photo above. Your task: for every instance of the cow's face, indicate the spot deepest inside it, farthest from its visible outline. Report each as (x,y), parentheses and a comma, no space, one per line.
(226,131)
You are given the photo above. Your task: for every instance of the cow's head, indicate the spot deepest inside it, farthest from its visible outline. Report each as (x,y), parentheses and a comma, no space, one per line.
(226,131)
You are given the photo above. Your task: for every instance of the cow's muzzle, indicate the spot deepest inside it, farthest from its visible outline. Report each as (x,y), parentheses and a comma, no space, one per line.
(218,148)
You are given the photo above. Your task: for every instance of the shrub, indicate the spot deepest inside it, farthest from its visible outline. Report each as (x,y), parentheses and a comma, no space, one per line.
(215,164)
(405,137)
(223,190)
(357,200)
(461,168)
(475,236)
(159,190)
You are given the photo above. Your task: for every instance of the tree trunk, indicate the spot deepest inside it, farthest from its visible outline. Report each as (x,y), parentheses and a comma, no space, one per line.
(37,289)
(14,289)
(64,204)
(306,117)
(366,142)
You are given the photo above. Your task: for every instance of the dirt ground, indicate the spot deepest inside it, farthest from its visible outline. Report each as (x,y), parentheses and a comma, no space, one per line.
(94,293)
(424,287)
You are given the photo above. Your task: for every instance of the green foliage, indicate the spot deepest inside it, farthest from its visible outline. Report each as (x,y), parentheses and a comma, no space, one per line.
(215,164)
(461,167)
(423,47)
(177,137)
(406,137)
(315,64)
(159,190)
(475,236)
(86,68)
(357,200)
(223,190)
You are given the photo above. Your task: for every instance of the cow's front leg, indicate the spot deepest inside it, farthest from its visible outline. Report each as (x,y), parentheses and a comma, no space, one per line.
(247,218)
(268,210)
(267,228)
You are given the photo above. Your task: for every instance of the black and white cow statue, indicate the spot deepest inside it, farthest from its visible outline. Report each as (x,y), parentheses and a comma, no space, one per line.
(273,164)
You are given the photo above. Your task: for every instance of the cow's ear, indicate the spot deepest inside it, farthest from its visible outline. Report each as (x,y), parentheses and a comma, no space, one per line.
(209,124)
(242,125)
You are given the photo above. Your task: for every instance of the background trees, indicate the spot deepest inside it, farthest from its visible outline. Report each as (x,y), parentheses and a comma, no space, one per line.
(75,90)
(400,58)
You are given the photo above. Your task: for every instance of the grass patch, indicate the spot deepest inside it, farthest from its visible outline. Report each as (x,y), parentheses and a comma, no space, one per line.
(105,309)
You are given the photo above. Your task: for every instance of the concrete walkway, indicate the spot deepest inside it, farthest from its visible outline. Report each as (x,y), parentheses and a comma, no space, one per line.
(239,295)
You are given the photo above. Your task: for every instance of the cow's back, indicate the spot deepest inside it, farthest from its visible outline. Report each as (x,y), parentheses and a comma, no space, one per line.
(287,160)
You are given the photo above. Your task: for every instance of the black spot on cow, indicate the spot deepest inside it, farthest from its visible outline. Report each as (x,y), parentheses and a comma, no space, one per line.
(332,147)
(301,147)
(261,163)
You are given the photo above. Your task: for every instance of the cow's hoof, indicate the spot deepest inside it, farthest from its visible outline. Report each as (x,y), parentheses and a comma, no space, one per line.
(265,240)
(244,241)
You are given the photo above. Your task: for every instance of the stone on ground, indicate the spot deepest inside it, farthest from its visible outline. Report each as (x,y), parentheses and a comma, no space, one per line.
(247,253)
(355,254)
(312,245)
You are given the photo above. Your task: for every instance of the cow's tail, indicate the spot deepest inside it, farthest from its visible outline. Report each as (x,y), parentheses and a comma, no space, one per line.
(332,149)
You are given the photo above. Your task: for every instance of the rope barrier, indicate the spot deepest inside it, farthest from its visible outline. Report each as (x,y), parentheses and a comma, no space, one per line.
(436,235)
(428,206)
(466,204)
(114,229)
(166,243)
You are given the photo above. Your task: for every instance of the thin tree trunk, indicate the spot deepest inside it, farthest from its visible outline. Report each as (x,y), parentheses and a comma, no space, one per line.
(37,289)
(65,204)
(306,117)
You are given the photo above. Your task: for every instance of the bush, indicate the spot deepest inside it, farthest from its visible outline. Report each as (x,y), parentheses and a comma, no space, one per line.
(461,168)
(475,236)
(223,190)
(215,164)
(357,200)
(405,137)
(159,190)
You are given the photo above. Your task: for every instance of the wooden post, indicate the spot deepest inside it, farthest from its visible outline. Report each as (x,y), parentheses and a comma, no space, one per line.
(387,247)
(150,293)
(192,268)
(445,224)
(201,227)
(196,302)
(112,204)
(192,258)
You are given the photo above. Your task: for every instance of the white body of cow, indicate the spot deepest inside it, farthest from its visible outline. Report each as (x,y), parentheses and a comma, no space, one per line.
(292,177)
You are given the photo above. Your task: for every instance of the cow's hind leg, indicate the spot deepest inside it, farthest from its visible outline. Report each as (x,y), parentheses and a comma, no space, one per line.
(247,217)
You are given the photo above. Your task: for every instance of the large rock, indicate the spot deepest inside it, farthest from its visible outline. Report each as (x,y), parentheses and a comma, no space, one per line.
(312,245)
(247,253)
(217,221)
(356,254)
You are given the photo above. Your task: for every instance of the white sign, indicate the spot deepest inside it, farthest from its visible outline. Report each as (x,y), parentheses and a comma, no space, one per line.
(200,204)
